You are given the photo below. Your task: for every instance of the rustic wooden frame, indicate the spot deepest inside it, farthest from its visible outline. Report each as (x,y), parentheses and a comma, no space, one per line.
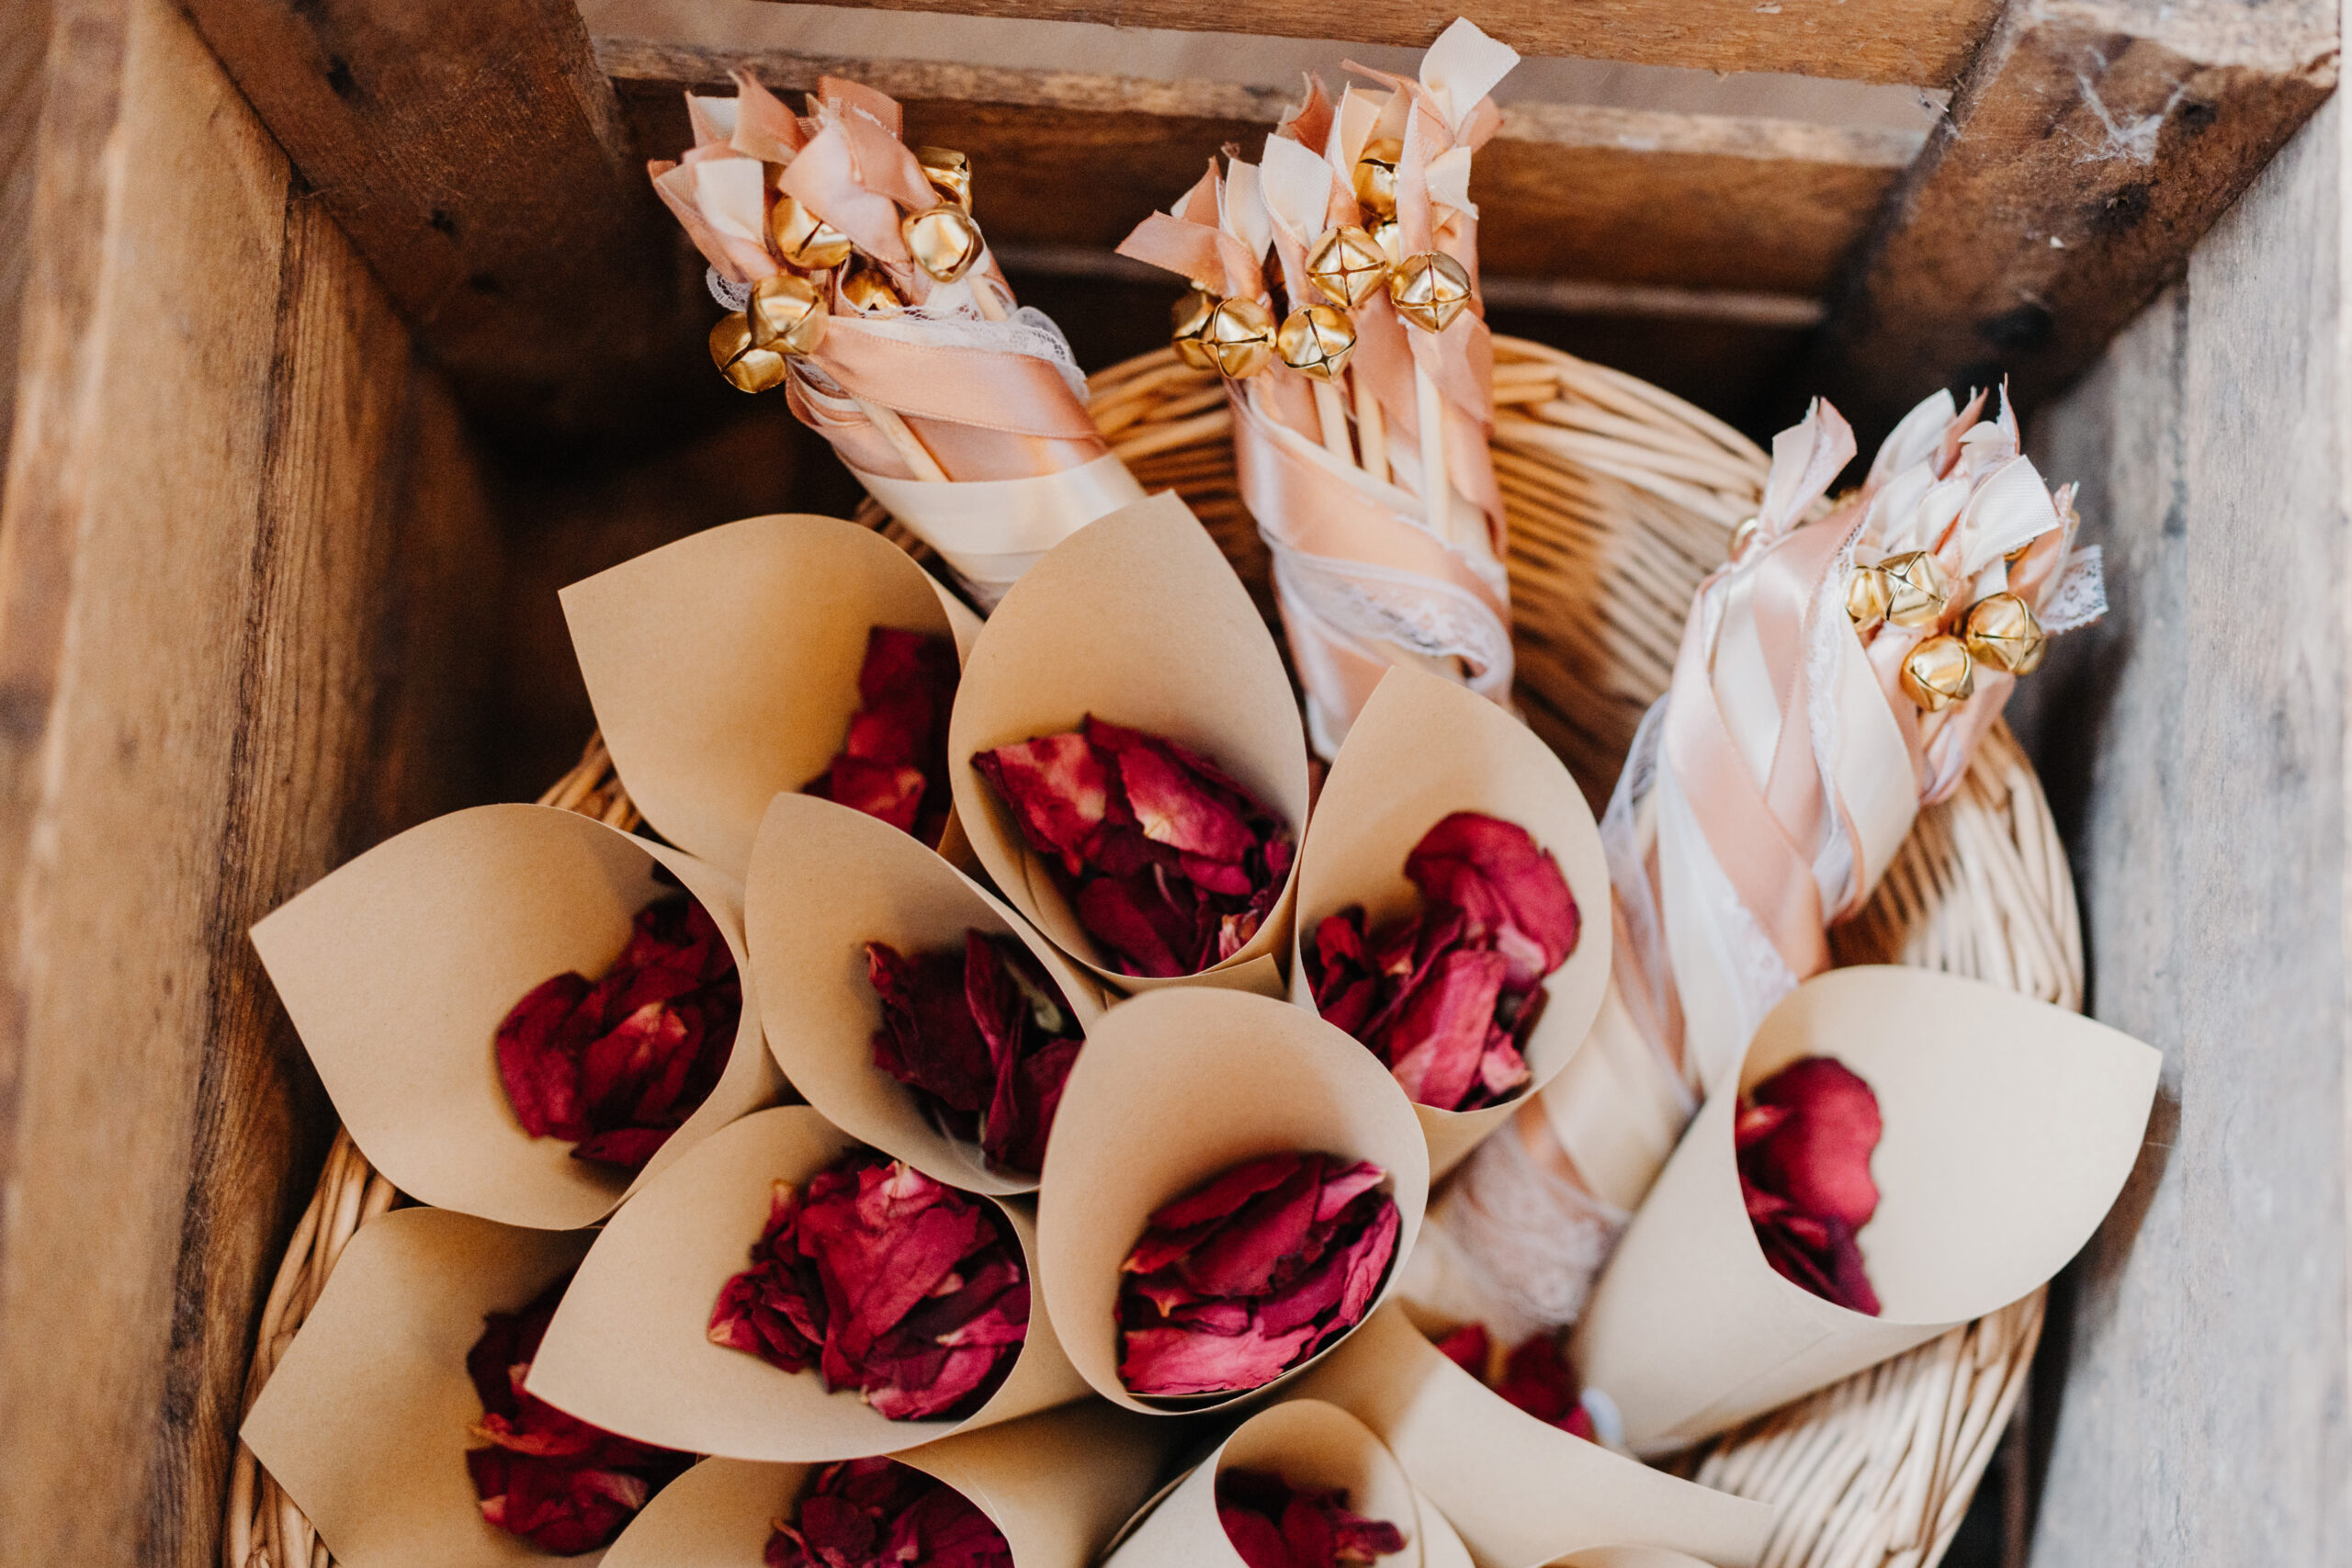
(2088,144)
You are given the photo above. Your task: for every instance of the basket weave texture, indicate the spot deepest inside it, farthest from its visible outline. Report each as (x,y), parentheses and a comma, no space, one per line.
(1621,497)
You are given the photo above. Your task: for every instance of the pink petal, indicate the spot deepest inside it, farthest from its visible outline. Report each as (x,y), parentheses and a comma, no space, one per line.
(1495,873)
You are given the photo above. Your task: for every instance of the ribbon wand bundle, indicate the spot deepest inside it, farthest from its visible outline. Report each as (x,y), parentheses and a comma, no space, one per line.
(1387,548)
(1834,677)
(858,281)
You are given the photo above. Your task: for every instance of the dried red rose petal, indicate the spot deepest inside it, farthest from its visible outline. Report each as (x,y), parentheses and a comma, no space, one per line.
(1805,1139)
(887,1283)
(1275,1525)
(614,1067)
(877,1513)
(1448,996)
(985,1039)
(1253,1272)
(893,762)
(1170,865)
(550,1478)
(1536,1378)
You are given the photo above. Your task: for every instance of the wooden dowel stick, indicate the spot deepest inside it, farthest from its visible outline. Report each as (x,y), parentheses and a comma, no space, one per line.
(1333,413)
(1437,490)
(1371,432)
(910,450)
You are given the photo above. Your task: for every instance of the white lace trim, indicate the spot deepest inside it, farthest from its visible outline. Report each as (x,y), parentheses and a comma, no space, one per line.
(2079,596)
(1369,603)
(1833,859)
(1534,1241)
(730,295)
(1643,970)
(958,325)
(1752,968)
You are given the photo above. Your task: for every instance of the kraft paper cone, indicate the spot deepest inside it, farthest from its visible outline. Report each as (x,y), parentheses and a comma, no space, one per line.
(2009,1128)
(1057,1484)
(723,668)
(1421,750)
(366,1420)
(1522,1493)
(398,968)
(1311,1446)
(1172,1089)
(1136,619)
(825,881)
(630,1351)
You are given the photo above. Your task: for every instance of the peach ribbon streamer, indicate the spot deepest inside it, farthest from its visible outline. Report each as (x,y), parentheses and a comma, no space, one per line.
(1359,580)
(991,395)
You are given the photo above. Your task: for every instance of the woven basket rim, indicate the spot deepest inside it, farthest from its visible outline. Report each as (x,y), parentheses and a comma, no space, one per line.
(1597,467)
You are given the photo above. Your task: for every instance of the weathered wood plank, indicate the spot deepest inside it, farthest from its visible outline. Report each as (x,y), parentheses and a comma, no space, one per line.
(2091,145)
(24,48)
(1588,193)
(2195,746)
(474,154)
(244,562)
(1922,41)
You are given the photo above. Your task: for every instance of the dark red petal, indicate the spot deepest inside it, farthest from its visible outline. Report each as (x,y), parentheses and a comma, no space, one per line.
(877,1513)
(1469,1347)
(1538,1380)
(541,1075)
(1437,1041)
(1173,808)
(890,792)
(1169,1362)
(1509,887)
(1256,1538)
(1137,918)
(1819,1158)
(1216,1198)
(1058,790)
(930,1039)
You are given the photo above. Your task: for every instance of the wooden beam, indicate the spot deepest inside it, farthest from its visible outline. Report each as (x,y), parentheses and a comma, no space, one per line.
(1927,42)
(474,154)
(2195,743)
(1589,193)
(2092,145)
(247,574)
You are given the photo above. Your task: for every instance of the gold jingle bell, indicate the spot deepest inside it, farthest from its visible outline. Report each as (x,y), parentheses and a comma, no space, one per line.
(1917,589)
(786,313)
(2000,630)
(949,172)
(943,240)
(1390,238)
(1867,594)
(867,289)
(803,239)
(1430,289)
(1316,341)
(1190,321)
(1741,537)
(1376,176)
(1938,673)
(1240,335)
(1346,266)
(747,369)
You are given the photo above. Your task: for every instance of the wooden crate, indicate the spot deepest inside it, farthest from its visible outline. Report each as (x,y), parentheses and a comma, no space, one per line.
(345,330)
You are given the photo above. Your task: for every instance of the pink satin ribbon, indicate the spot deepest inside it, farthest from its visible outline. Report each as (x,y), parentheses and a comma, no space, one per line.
(1308,513)
(983,413)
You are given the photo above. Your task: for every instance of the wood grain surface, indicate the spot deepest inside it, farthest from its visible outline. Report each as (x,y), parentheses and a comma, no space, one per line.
(1564,191)
(2194,747)
(245,575)
(1922,41)
(2092,143)
(475,155)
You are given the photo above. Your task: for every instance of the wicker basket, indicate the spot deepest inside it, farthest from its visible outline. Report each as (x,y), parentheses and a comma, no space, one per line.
(1621,497)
